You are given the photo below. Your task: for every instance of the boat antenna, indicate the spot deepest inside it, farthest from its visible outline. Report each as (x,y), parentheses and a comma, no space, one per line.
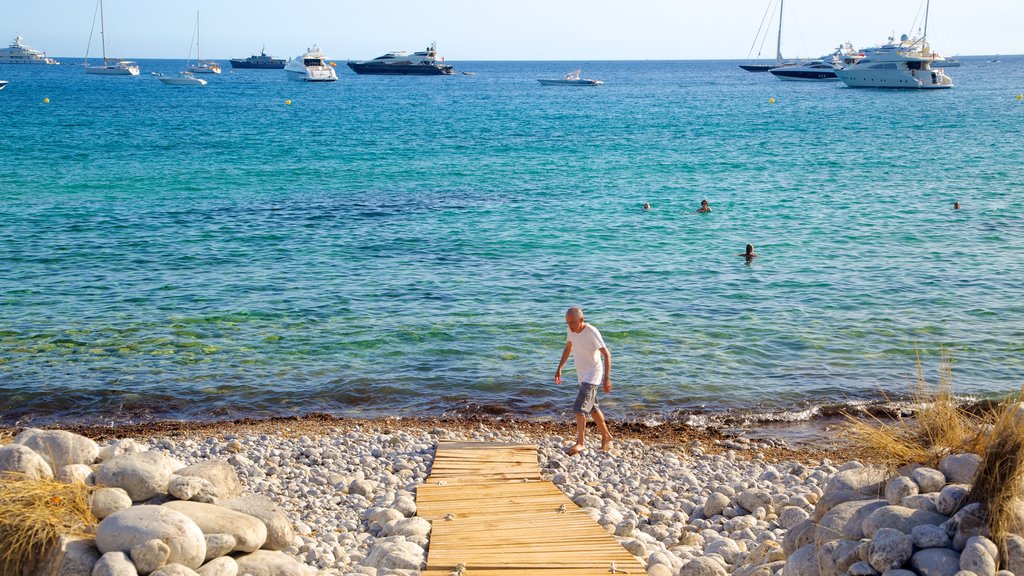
(92,29)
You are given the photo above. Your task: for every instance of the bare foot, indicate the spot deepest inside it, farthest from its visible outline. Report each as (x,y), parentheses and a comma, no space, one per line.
(606,443)
(574,450)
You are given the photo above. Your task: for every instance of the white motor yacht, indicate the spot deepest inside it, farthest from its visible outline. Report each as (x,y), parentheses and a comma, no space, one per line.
(19,53)
(820,70)
(570,79)
(311,67)
(904,64)
(183,79)
(401,63)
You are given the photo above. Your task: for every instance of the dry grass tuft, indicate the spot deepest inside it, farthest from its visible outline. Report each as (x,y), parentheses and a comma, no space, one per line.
(34,514)
(999,480)
(939,426)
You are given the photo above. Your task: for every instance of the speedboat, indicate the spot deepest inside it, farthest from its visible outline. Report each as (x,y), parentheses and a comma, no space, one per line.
(183,79)
(401,63)
(19,53)
(3,84)
(570,79)
(311,67)
(262,62)
(903,64)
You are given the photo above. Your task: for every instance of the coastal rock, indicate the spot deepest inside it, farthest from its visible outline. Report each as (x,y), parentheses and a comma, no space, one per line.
(1015,554)
(702,566)
(114,564)
(120,446)
(861,568)
(889,549)
(192,488)
(17,461)
(845,521)
(924,502)
(280,532)
(803,562)
(867,480)
(75,474)
(660,570)
(929,536)
(978,559)
(899,518)
(899,488)
(798,536)
(960,468)
(150,555)
(836,557)
(218,545)
(106,501)
(970,521)
(218,473)
(936,562)
(634,547)
(143,474)
(174,570)
(833,499)
(715,504)
(754,499)
(928,479)
(791,516)
(225,566)
(249,532)
(125,529)
(393,554)
(952,498)
(58,447)
(69,556)
(411,527)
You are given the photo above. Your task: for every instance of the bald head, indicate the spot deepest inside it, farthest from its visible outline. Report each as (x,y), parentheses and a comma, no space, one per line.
(576,313)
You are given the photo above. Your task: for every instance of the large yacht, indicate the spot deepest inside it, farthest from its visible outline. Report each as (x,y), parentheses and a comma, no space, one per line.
(820,70)
(263,62)
(19,53)
(402,63)
(311,67)
(903,64)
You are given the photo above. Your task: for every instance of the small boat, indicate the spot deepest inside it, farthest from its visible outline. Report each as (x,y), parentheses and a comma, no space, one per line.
(570,79)
(311,67)
(111,66)
(183,79)
(201,66)
(19,53)
(469,73)
(3,84)
(261,62)
(400,63)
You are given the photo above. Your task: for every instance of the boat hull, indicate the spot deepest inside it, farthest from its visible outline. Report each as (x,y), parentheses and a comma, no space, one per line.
(3,84)
(244,64)
(756,67)
(805,75)
(898,79)
(401,69)
(112,71)
(570,82)
(296,76)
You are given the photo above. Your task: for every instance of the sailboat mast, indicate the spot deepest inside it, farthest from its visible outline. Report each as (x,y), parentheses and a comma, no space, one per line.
(198,57)
(778,42)
(103,36)
(927,7)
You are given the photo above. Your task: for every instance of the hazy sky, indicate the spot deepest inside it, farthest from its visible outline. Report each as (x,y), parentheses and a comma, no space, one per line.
(517,30)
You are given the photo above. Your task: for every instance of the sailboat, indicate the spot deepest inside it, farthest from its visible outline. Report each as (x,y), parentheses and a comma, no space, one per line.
(111,66)
(778,46)
(185,78)
(201,67)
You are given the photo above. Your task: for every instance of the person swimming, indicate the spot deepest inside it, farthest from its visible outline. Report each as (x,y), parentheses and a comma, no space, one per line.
(704,206)
(749,254)
(647,205)
(956,205)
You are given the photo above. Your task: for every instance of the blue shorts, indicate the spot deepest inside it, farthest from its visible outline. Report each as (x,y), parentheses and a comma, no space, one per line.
(586,399)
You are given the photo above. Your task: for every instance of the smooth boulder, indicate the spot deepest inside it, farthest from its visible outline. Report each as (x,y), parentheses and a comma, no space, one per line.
(273,563)
(250,533)
(221,475)
(125,529)
(280,532)
(143,475)
(59,448)
(17,461)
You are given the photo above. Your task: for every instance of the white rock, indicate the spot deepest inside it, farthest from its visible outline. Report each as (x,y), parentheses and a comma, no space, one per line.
(928,479)
(143,474)
(660,570)
(753,499)
(218,473)
(106,501)
(951,499)
(388,554)
(414,526)
(803,562)
(75,474)
(702,566)
(150,555)
(225,566)
(715,504)
(70,556)
(976,558)
(58,447)
(960,468)
(280,532)
(250,533)
(899,518)
(790,516)
(846,520)
(127,528)
(1015,554)
(889,549)
(836,557)
(17,461)
(899,488)
(192,488)
(175,570)
(272,563)
(867,480)
(114,564)
(930,536)
(936,562)
(218,545)
(121,446)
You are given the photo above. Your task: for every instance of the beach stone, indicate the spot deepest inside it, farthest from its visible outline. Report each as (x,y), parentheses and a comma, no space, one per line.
(150,555)
(391,554)
(928,479)
(75,474)
(754,499)
(830,501)
(952,498)
(899,572)
(272,563)
(861,568)
(142,474)
(114,564)
(803,562)
(69,556)
(250,533)
(106,501)
(970,521)
(588,501)
(220,474)
(715,504)
(174,570)
(660,570)
(702,566)
(124,529)
(18,461)
(192,488)
(411,527)
(899,488)
(899,518)
(989,546)
(59,447)
(634,547)
(225,566)
(846,520)
(1015,554)
(726,548)
(798,536)
(361,487)
(121,446)
(977,558)
(218,545)
(936,562)
(836,557)
(960,468)
(867,480)
(406,505)
(280,532)
(790,516)
(924,502)
(889,549)
(930,536)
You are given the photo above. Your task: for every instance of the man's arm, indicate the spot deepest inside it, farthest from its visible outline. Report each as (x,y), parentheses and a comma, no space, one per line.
(565,356)
(607,369)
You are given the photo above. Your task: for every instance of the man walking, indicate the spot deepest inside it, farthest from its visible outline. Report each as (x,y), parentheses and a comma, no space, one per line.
(593,365)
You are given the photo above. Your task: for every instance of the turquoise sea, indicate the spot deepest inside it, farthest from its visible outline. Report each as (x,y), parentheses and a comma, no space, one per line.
(407,246)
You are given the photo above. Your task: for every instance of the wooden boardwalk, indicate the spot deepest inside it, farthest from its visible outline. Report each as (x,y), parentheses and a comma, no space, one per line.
(492,513)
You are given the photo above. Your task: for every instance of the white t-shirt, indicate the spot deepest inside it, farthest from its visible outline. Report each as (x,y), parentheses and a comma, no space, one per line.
(586,355)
